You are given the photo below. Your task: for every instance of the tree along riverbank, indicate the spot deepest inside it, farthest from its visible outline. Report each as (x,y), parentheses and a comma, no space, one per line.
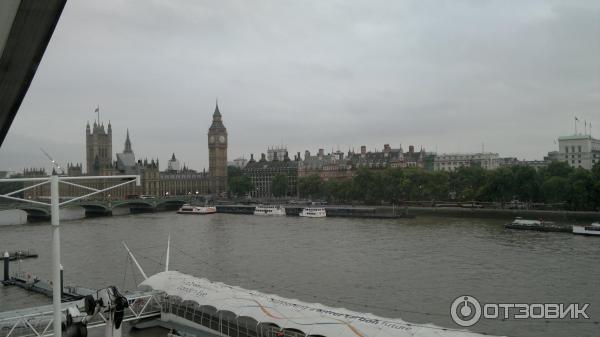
(557,185)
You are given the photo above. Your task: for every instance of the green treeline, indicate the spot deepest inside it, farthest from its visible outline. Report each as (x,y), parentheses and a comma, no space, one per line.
(239,184)
(577,189)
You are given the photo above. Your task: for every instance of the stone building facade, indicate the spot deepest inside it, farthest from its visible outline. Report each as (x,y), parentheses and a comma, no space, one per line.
(579,150)
(453,161)
(184,182)
(262,172)
(337,165)
(98,148)
(327,166)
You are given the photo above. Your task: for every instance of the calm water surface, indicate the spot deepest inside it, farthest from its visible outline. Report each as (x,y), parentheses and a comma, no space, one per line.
(408,268)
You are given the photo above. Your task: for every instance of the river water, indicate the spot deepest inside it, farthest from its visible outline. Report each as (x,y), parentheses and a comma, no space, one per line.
(402,268)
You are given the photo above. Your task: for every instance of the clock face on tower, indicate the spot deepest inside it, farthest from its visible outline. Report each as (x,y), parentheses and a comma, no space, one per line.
(211,139)
(222,139)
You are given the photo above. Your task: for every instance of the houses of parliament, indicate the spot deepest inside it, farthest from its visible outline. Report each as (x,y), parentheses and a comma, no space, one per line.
(174,180)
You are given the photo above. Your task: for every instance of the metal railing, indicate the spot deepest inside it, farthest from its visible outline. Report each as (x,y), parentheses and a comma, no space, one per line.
(37,322)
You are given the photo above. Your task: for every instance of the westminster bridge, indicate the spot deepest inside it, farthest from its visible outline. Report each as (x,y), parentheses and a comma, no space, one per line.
(95,208)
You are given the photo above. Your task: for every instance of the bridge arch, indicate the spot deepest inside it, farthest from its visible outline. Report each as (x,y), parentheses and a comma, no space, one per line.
(135,205)
(170,203)
(95,208)
(36,213)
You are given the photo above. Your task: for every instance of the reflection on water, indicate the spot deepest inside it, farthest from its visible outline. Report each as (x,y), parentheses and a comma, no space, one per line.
(407,268)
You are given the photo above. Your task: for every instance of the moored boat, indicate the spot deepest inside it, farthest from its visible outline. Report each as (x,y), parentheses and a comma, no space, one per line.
(189,209)
(269,210)
(593,229)
(313,212)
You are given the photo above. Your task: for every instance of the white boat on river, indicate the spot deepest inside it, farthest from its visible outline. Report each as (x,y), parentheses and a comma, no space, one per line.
(313,212)
(189,209)
(593,229)
(269,210)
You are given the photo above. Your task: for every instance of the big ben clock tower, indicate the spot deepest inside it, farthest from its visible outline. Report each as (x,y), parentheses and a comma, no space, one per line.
(217,154)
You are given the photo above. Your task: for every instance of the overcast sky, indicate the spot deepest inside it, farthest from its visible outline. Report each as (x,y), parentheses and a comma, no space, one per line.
(445,75)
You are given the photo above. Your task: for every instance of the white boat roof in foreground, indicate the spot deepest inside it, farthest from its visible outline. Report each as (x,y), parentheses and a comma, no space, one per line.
(310,318)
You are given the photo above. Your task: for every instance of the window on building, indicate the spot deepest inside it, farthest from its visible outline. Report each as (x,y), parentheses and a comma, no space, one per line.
(566,149)
(579,148)
(573,148)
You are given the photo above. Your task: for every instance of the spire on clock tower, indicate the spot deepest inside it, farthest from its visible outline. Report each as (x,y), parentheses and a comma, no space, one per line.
(217,122)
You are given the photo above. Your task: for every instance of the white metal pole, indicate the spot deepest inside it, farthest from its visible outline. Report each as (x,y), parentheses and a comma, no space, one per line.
(56,296)
(168,252)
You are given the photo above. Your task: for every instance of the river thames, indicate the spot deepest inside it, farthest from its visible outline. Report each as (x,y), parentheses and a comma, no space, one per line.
(411,269)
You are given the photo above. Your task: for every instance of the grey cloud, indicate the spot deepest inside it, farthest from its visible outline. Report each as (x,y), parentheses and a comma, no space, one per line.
(310,74)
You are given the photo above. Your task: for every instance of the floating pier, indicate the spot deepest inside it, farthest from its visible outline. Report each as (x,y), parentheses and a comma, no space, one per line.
(22,254)
(368,212)
(542,227)
(235,209)
(30,282)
